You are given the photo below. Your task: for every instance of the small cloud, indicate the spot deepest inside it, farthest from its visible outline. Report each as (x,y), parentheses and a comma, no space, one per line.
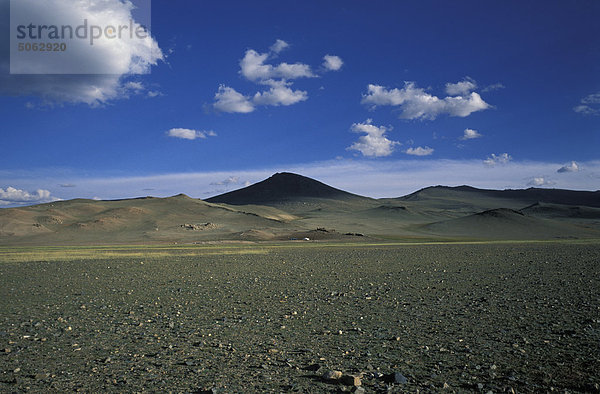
(375,143)
(491,161)
(492,87)
(279,46)
(540,181)
(416,103)
(12,196)
(591,99)
(571,167)
(470,134)
(419,151)
(189,134)
(232,180)
(461,88)
(332,63)
(253,68)
(260,69)
(279,94)
(589,105)
(153,93)
(586,110)
(228,100)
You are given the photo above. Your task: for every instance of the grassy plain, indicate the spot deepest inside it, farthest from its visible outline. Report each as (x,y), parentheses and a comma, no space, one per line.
(468,316)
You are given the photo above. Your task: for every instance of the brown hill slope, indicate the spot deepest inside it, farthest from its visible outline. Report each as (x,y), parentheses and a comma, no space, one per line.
(153,220)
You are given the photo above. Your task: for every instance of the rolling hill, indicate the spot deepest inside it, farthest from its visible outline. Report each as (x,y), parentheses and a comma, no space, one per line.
(290,206)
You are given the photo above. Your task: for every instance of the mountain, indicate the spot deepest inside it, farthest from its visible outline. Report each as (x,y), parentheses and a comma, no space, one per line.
(512,196)
(290,206)
(283,187)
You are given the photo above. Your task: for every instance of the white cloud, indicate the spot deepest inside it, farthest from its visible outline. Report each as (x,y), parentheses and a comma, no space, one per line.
(279,94)
(279,46)
(540,181)
(589,105)
(189,134)
(228,100)
(491,161)
(586,110)
(571,167)
(15,197)
(374,143)
(418,104)
(117,62)
(419,151)
(373,178)
(332,63)
(231,180)
(253,68)
(470,134)
(461,88)
(591,99)
(492,87)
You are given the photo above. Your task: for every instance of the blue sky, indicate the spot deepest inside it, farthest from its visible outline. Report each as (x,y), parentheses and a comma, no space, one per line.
(412,94)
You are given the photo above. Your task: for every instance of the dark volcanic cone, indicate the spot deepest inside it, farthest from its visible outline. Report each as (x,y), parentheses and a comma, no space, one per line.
(282,187)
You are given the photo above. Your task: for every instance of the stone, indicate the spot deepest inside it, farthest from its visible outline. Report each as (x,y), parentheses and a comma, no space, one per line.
(332,375)
(351,380)
(312,367)
(395,377)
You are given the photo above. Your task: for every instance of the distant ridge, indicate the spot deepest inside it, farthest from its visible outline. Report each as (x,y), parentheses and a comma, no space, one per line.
(530,196)
(282,187)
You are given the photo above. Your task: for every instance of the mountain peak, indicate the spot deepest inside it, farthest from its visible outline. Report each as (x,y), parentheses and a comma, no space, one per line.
(281,187)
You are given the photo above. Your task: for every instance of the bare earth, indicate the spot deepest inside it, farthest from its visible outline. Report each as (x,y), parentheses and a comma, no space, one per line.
(467,317)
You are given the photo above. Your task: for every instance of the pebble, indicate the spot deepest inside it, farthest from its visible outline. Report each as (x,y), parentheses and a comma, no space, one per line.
(351,380)
(395,377)
(332,375)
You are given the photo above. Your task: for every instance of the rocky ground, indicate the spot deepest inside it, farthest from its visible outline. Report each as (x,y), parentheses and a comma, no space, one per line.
(465,318)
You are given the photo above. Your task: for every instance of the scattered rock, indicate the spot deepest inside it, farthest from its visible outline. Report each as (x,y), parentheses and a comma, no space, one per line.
(395,377)
(312,367)
(198,227)
(332,375)
(351,380)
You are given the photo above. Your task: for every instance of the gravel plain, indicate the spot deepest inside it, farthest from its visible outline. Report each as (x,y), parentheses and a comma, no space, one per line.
(502,317)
